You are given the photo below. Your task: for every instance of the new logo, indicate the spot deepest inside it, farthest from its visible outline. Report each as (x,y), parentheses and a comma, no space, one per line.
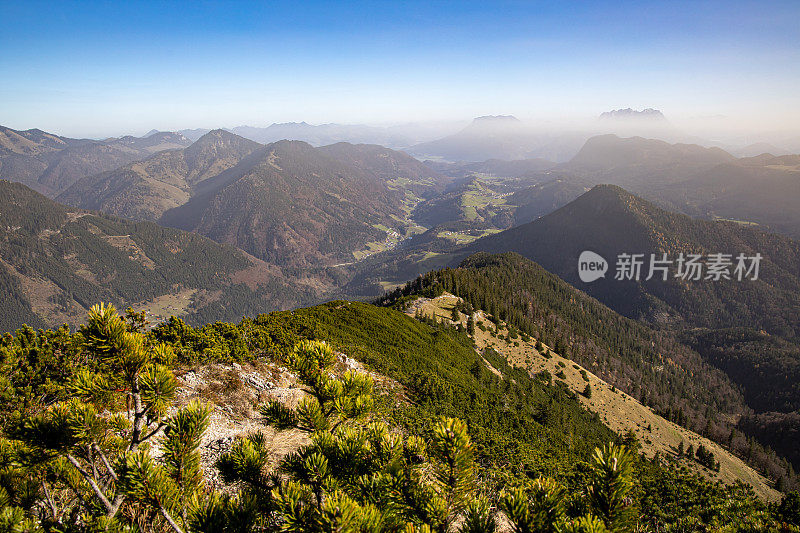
(591,266)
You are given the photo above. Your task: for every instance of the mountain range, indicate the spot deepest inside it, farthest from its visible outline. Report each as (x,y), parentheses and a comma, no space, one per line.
(398,136)
(379,216)
(316,135)
(287,202)
(50,164)
(507,138)
(649,114)
(691,179)
(293,204)
(145,189)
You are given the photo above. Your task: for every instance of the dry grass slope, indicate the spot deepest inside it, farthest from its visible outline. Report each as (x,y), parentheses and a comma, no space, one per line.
(617,410)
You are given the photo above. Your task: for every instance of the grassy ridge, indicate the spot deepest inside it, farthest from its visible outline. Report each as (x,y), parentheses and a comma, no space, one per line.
(516,421)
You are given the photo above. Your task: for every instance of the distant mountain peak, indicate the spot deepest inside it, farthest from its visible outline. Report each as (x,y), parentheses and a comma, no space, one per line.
(165,135)
(221,135)
(632,114)
(290,144)
(492,125)
(612,195)
(609,189)
(496,119)
(284,124)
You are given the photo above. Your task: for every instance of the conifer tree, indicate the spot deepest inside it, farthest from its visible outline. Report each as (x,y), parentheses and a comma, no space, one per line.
(538,510)
(330,401)
(95,444)
(479,517)
(612,480)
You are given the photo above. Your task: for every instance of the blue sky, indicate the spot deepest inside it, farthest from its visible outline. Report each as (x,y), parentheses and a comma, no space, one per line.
(105,68)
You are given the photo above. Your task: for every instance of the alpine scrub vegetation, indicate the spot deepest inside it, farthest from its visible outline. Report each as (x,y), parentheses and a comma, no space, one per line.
(357,474)
(98,467)
(91,453)
(92,441)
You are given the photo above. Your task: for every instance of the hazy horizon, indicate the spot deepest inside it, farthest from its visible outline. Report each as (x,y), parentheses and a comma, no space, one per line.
(108,70)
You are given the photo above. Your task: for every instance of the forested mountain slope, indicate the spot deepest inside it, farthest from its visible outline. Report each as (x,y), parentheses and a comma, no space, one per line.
(618,410)
(288,202)
(543,198)
(145,189)
(748,328)
(638,163)
(652,366)
(293,204)
(56,261)
(763,190)
(611,221)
